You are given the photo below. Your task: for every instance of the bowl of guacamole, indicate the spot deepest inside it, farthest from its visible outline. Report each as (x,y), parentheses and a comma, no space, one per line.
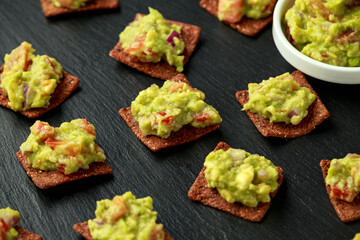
(320,37)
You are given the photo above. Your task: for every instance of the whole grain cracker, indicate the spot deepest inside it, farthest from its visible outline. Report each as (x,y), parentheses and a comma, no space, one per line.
(50,10)
(63,90)
(200,192)
(46,179)
(347,211)
(247,26)
(186,134)
(317,113)
(24,234)
(190,35)
(83,230)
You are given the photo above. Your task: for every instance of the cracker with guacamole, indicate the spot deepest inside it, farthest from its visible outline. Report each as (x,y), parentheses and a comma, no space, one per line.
(247,25)
(171,115)
(249,197)
(9,229)
(53,8)
(155,46)
(33,84)
(341,177)
(53,156)
(124,217)
(293,119)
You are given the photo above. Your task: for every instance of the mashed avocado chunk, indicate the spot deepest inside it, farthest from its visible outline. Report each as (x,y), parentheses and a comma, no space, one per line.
(344,177)
(152,39)
(159,111)
(326,30)
(8,220)
(66,149)
(279,99)
(125,217)
(240,176)
(28,79)
(357,237)
(73,4)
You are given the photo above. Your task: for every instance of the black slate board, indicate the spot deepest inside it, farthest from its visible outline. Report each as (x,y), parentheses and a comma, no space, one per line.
(224,62)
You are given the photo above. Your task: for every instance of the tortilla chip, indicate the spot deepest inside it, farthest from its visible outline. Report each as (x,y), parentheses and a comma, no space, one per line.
(247,26)
(47,179)
(347,211)
(200,192)
(186,134)
(190,35)
(26,235)
(50,10)
(83,230)
(63,90)
(317,113)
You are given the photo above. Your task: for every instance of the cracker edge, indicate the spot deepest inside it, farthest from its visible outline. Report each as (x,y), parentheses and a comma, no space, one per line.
(346,211)
(27,235)
(200,192)
(58,178)
(308,124)
(83,230)
(162,70)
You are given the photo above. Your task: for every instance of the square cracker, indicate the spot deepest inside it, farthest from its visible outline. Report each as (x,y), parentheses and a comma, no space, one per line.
(347,211)
(63,90)
(27,235)
(247,26)
(317,113)
(47,179)
(190,35)
(50,10)
(200,192)
(186,134)
(83,230)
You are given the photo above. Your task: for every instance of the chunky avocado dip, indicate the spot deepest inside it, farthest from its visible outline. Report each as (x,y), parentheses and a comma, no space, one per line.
(326,30)
(344,177)
(234,10)
(8,220)
(357,237)
(240,176)
(125,217)
(152,39)
(159,111)
(73,4)
(279,99)
(28,79)
(66,149)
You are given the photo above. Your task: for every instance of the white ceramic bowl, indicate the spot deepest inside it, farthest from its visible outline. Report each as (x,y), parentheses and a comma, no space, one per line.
(316,69)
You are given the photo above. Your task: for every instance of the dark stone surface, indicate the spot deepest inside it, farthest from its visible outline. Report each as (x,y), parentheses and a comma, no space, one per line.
(224,62)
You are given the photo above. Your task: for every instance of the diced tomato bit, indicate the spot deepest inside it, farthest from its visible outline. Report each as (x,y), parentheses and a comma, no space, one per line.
(324,55)
(346,37)
(4,225)
(89,128)
(136,45)
(43,129)
(202,117)
(53,143)
(51,64)
(61,168)
(168,119)
(66,3)
(71,151)
(161,113)
(344,194)
(27,62)
(232,13)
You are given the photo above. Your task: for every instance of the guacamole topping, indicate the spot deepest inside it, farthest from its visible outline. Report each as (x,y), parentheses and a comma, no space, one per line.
(152,39)
(344,177)
(234,10)
(240,176)
(279,99)
(357,237)
(28,79)
(66,149)
(8,220)
(326,30)
(125,217)
(159,111)
(72,4)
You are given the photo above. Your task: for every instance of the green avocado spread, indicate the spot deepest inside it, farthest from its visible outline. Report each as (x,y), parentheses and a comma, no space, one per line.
(326,30)
(357,237)
(344,177)
(66,149)
(125,217)
(152,39)
(234,10)
(72,4)
(279,99)
(8,220)
(159,111)
(28,79)
(240,176)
